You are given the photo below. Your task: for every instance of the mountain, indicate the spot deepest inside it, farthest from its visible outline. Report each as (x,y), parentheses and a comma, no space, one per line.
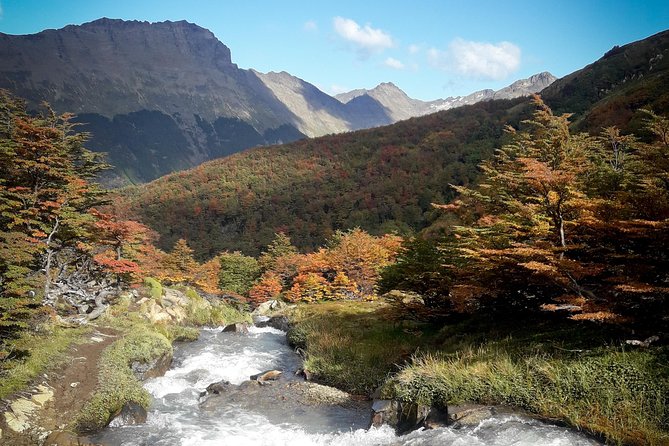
(157,96)
(162,97)
(611,90)
(320,113)
(379,179)
(400,106)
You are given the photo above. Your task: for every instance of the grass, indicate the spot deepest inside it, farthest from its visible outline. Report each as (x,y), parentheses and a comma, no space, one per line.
(117,384)
(353,345)
(46,348)
(155,288)
(575,372)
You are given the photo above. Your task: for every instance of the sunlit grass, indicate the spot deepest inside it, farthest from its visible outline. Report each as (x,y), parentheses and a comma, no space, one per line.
(44,350)
(561,370)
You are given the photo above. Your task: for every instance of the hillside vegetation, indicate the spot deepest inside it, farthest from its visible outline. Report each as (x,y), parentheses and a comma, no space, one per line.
(383,179)
(380,180)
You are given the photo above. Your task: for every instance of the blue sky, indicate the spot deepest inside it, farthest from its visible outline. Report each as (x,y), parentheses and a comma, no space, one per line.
(430,49)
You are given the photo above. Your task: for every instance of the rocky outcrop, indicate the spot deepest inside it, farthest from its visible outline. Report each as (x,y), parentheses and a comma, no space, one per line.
(21,413)
(131,413)
(279,322)
(238,327)
(153,368)
(292,394)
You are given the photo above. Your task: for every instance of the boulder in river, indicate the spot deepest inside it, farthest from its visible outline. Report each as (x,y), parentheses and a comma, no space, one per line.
(236,328)
(404,417)
(152,369)
(216,388)
(269,375)
(131,413)
(278,322)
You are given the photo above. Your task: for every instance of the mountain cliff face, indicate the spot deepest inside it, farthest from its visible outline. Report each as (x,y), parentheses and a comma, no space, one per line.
(171,85)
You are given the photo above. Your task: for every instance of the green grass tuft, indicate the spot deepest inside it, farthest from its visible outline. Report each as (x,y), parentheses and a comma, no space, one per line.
(117,384)
(34,354)
(155,288)
(576,372)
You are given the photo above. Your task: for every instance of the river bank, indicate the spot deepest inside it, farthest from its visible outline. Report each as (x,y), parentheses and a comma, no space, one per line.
(577,375)
(584,375)
(80,377)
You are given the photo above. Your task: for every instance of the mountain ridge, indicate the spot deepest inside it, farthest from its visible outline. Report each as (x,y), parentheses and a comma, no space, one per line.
(401,106)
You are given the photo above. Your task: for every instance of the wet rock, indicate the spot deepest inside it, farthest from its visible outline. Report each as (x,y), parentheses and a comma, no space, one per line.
(404,417)
(305,373)
(236,328)
(436,418)
(269,375)
(131,413)
(216,388)
(62,438)
(152,369)
(469,414)
(278,322)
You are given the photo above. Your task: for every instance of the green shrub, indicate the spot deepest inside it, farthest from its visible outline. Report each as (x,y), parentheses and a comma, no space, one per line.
(155,288)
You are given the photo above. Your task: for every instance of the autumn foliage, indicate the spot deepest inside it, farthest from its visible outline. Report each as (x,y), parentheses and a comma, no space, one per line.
(566,222)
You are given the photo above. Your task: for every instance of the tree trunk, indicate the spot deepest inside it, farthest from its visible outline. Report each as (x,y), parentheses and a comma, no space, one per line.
(49,257)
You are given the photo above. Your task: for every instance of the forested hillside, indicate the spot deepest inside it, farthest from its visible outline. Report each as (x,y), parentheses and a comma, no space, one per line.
(380,180)
(612,89)
(383,179)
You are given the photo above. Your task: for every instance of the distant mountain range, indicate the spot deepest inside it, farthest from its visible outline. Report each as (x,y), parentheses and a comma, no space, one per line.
(160,97)
(400,106)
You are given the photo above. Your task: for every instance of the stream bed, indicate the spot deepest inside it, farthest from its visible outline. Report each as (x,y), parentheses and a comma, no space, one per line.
(178,417)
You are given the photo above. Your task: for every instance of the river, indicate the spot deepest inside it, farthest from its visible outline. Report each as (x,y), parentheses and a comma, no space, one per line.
(177,418)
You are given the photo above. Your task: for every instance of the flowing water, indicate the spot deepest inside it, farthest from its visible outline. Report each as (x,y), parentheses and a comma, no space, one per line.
(176,416)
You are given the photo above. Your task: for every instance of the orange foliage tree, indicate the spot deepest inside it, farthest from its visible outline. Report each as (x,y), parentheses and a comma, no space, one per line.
(562,221)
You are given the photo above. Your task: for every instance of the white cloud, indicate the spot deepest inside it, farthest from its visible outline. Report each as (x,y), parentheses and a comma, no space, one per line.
(393,63)
(310,26)
(414,49)
(365,38)
(481,60)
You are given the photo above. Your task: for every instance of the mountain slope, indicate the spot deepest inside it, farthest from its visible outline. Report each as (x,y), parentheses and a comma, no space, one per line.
(380,179)
(318,112)
(160,97)
(612,89)
(146,77)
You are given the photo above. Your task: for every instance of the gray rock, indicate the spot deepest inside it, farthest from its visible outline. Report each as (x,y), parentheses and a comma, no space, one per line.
(131,413)
(279,322)
(236,328)
(216,388)
(152,369)
(404,417)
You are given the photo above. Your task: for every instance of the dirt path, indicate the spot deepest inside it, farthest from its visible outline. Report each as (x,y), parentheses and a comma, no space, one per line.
(53,402)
